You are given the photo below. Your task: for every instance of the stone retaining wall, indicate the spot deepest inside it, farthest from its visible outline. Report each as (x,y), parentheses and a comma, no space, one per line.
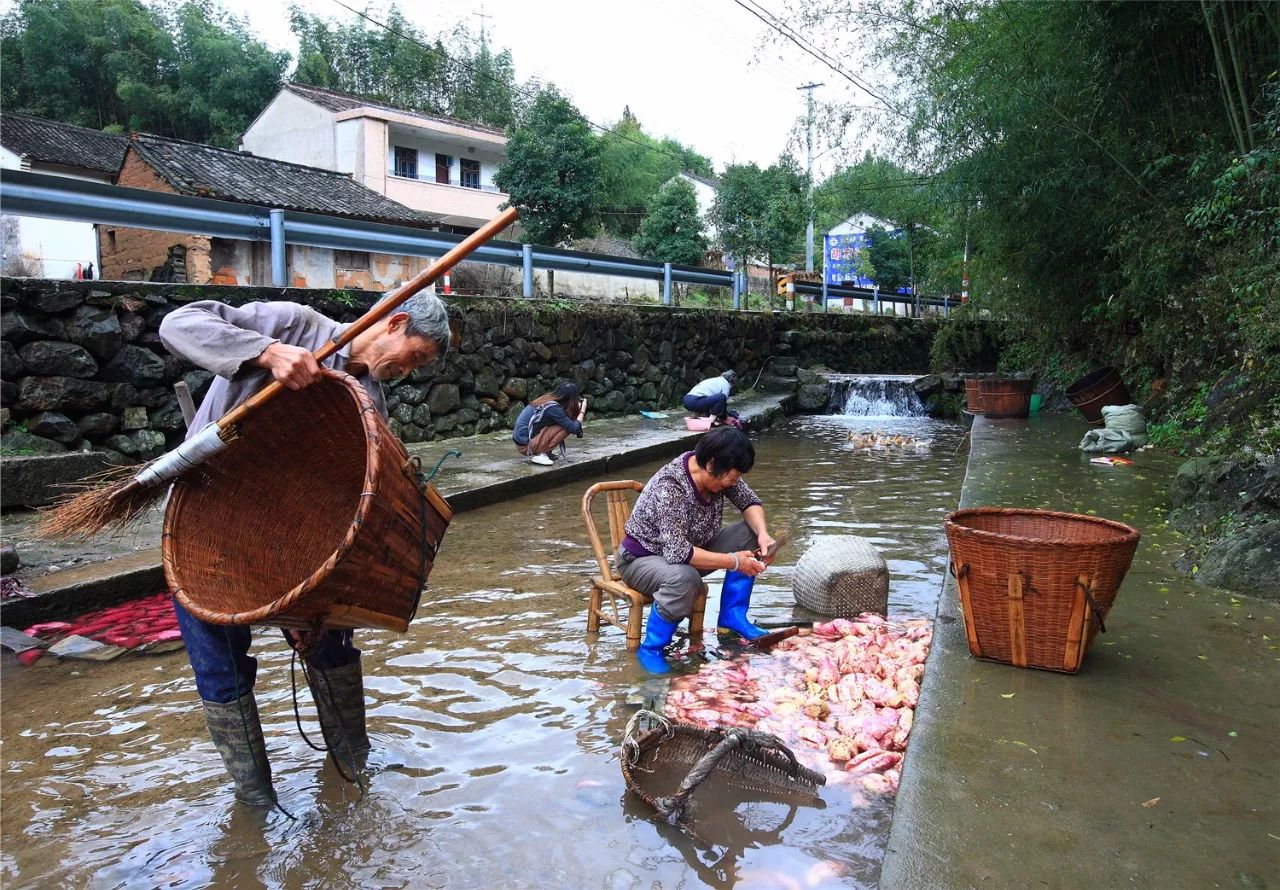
(83,366)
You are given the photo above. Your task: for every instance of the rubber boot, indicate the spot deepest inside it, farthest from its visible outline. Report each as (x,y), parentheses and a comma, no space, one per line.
(237,734)
(735,597)
(339,697)
(657,636)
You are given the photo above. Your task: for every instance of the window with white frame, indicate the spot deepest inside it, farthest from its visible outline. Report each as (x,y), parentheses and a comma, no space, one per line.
(470,173)
(406,162)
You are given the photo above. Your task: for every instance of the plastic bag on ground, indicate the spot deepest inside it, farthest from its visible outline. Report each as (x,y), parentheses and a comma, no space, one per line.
(1108,442)
(1126,418)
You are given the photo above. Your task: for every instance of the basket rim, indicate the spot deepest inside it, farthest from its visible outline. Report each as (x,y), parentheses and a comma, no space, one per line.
(368,491)
(950,522)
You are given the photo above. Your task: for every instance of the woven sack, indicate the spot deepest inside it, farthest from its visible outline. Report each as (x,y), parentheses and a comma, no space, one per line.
(842,575)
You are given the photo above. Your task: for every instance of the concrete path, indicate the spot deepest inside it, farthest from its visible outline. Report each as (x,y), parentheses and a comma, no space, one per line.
(1155,766)
(76,576)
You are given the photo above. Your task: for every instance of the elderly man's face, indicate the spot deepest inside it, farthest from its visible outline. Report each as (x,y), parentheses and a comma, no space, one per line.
(395,353)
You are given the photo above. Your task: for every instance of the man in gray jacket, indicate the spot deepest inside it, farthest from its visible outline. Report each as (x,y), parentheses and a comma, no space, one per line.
(246,347)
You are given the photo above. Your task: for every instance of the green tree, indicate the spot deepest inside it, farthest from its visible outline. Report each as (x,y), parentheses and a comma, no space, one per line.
(672,230)
(550,172)
(397,65)
(760,214)
(633,167)
(888,257)
(177,69)
(455,73)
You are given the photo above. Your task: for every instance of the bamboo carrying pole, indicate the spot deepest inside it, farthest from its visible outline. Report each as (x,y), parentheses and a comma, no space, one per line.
(115,499)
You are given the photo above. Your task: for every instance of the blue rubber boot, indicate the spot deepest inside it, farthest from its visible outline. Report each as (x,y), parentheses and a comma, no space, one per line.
(657,636)
(735,597)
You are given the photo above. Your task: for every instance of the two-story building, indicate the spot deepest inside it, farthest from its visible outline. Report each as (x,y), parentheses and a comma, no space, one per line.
(437,165)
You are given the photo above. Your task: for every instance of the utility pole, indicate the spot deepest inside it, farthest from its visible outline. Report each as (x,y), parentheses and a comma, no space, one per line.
(481,16)
(808,241)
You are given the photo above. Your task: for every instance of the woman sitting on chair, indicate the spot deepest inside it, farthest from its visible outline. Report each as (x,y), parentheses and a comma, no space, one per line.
(674,538)
(547,421)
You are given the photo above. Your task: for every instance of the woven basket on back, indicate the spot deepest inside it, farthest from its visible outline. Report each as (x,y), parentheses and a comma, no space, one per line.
(1036,585)
(842,575)
(314,517)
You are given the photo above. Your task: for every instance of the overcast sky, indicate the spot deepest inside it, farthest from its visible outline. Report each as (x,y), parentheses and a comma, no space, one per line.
(691,70)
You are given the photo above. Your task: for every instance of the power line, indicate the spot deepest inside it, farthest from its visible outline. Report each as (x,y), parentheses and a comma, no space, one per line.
(786,31)
(522,91)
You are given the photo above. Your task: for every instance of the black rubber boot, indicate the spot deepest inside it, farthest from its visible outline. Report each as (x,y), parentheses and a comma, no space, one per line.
(339,697)
(237,734)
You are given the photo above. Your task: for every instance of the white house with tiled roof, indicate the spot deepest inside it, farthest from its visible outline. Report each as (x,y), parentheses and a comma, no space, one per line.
(438,165)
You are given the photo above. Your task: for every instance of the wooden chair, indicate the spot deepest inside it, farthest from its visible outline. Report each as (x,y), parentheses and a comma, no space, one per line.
(608,584)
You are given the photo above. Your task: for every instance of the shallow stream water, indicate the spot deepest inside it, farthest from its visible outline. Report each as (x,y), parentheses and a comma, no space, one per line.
(495,721)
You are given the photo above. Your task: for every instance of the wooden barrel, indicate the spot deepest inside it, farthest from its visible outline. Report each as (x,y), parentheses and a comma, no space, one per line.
(1006,397)
(313,517)
(973,394)
(1097,389)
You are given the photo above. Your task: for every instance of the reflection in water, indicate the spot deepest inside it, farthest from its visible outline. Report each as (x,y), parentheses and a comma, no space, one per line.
(495,722)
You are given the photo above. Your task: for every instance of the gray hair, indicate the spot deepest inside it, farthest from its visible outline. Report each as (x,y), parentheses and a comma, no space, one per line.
(731,376)
(428,318)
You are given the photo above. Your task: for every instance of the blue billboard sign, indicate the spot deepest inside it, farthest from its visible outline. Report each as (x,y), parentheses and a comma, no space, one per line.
(841,253)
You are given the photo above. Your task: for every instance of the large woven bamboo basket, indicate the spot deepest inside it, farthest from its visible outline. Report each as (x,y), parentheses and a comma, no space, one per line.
(1035,585)
(315,516)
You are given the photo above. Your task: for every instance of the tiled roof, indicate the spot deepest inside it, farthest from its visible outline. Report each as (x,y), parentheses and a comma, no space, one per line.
(207,171)
(705,180)
(55,143)
(337,101)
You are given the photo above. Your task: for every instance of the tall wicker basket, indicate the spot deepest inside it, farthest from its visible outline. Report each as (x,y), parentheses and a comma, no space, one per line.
(314,517)
(1036,585)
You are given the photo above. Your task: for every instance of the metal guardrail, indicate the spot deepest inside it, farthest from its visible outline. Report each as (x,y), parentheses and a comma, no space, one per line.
(59,197)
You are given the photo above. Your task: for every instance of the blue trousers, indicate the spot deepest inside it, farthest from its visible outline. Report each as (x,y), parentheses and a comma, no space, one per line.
(220,657)
(713,405)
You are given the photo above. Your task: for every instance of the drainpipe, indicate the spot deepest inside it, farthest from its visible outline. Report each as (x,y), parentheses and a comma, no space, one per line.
(279,275)
(666,284)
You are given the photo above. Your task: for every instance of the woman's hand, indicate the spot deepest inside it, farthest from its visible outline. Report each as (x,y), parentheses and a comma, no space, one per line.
(765,540)
(582,409)
(293,366)
(748,564)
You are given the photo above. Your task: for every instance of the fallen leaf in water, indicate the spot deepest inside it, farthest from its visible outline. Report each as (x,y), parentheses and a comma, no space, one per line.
(1008,694)
(1151,803)
(1178,738)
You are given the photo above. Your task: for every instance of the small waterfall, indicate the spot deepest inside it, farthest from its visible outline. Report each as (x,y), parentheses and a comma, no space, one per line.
(874,396)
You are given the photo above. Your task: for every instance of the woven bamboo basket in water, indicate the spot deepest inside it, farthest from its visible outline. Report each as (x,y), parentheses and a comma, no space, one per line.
(1094,391)
(315,516)
(667,764)
(1036,585)
(1006,397)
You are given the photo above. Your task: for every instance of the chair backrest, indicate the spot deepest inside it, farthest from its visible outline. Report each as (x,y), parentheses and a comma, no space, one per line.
(618,501)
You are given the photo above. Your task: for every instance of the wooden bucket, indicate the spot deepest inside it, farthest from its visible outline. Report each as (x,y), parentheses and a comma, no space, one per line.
(973,394)
(314,517)
(1006,397)
(1097,389)
(1036,585)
